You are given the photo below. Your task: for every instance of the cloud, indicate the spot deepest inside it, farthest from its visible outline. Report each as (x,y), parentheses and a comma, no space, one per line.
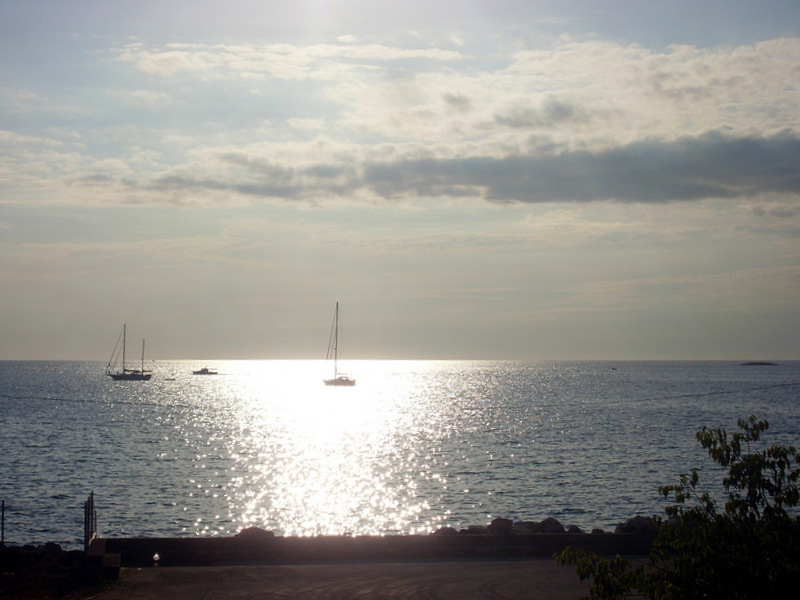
(457,102)
(10,138)
(711,166)
(577,121)
(283,61)
(708,166)
(142,98)
(552,112)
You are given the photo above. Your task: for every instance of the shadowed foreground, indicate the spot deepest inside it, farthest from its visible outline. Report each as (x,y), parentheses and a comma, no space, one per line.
(443,580)
(256,564)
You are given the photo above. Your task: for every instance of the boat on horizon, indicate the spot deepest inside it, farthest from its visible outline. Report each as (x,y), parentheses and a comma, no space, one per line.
(339,379)
(124,373)
(204,371)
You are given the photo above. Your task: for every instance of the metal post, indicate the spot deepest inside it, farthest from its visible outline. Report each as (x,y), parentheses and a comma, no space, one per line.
(89,522)
(3,542)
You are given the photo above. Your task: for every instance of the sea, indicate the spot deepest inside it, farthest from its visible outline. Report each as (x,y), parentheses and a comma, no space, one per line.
(415,446)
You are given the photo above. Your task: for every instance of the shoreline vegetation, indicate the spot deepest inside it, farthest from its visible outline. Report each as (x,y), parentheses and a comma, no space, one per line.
(748,547)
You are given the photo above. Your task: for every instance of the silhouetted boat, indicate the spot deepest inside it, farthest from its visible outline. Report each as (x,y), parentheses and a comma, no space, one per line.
(339,379)
(124,373)
(204,371)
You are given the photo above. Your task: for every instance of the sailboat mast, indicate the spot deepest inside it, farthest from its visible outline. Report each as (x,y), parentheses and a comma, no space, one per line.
(124,335)
(333,348)
(142,355)
(336,341)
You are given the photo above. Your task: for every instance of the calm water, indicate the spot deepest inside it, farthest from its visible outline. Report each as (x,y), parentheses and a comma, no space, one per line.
(413,447)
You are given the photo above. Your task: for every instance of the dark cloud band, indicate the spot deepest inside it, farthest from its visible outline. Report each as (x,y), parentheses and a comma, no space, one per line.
(709,166)
(649,171)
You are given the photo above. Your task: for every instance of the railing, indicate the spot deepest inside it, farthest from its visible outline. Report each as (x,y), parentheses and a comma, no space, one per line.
(89,522)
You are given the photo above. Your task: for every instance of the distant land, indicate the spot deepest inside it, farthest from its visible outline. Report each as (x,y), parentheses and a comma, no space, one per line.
(756,363)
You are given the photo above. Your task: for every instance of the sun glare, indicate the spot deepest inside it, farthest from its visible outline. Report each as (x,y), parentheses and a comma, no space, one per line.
(315,460)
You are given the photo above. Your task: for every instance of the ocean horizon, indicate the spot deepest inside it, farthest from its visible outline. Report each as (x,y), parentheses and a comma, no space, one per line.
(414,446)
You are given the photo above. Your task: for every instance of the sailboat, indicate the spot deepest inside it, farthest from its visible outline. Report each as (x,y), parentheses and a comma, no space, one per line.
(125,374)
(339,379)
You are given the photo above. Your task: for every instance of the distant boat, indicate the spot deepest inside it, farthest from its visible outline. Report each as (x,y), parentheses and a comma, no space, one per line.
(339,379)
(124,373)
(204,371)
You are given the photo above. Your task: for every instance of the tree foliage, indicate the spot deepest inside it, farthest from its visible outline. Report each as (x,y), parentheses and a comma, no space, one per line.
(750,549)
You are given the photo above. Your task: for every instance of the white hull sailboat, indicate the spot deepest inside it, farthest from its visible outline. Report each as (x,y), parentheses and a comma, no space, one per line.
(339,379)
(124,373)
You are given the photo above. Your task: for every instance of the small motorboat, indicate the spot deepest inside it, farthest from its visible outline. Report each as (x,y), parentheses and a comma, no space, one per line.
(204,371)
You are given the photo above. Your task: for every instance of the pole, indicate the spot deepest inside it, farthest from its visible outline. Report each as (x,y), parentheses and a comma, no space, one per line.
(3,543)
(89,522)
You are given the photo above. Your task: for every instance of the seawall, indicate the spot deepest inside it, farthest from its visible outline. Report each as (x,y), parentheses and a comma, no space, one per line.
(134,552)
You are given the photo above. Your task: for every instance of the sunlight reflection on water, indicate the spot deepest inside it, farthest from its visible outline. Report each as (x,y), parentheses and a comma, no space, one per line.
(413,446)
(411,441)
(310,459)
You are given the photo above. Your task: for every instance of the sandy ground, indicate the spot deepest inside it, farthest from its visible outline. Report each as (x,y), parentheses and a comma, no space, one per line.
(440,580)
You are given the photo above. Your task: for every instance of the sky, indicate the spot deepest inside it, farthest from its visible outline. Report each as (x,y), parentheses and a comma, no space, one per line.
(499,179)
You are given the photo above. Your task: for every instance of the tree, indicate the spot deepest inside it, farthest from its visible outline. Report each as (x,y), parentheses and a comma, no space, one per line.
(751,549)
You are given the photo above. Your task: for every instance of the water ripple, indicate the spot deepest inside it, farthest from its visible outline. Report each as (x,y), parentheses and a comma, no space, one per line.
(415,446)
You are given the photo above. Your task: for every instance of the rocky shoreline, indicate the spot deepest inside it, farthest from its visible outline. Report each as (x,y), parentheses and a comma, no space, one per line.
(502,538)
(48,571)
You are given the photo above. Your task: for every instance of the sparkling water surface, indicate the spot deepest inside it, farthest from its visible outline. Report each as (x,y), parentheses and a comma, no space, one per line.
(413,447)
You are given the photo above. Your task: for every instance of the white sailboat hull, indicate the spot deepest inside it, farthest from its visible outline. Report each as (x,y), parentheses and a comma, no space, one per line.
(340,380)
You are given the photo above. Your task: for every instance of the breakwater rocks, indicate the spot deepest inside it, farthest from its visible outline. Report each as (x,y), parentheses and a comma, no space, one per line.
(500,539)
(500,526)
(45,571)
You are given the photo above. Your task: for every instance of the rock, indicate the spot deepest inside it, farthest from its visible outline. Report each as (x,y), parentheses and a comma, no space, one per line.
(476,530)
(638,525)
(445,531)
(501,526)
(551,525)
(597,531)
(526,527)
(574,529)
